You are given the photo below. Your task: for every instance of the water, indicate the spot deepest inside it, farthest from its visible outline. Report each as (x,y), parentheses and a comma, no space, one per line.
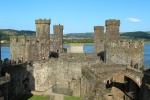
(5,52)
(89,49)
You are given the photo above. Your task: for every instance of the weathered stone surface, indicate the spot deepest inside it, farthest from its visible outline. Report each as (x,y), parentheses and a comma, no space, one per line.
(112,29)
(57,39)
(75,48)
(99,39)
(121,75)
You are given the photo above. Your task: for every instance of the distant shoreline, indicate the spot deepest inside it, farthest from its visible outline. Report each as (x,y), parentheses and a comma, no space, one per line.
(7,44)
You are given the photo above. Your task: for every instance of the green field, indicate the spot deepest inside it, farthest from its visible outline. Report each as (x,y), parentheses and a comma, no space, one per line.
(34,97)
(71,98)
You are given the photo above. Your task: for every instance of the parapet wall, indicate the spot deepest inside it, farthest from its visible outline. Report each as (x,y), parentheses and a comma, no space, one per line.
(125,43)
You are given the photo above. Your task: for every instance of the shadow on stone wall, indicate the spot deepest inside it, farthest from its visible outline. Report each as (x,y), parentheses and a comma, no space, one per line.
(53,54)
(145,87)
(21,80)
(101,55)
(130,89)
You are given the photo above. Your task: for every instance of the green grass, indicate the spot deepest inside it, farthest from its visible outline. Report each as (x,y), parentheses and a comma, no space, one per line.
(33,97)
(71,98)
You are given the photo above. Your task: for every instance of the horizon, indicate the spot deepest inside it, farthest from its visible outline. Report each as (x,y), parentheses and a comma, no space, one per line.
(73,32)
(76,16)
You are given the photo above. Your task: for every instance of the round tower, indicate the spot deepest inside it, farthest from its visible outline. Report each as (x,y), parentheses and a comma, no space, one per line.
(112,29)
(43,28)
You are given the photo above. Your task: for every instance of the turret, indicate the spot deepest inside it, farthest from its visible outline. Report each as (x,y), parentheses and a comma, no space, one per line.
(43,28)
(112,29)
(98,39)
(58,36)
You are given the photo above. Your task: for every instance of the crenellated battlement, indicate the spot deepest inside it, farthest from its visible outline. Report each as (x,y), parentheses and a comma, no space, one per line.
(43,21)
(98,27)
(112,22)
(56,27)
(125,43)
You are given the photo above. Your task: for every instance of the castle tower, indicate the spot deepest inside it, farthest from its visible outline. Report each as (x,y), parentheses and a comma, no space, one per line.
(58,38)
(98,39)
(43,28)
(112,29)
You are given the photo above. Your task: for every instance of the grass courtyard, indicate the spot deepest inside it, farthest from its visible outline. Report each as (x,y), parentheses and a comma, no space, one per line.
(33,97)
(71,98)
(37,97)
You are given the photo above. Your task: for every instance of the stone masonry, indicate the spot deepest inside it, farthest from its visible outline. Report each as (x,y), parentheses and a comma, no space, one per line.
(112,29)
(57,39)
(43,28)
(27,48)
(98,39)
(121,76)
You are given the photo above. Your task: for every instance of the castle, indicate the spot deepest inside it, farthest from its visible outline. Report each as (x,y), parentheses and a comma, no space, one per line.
(114,71)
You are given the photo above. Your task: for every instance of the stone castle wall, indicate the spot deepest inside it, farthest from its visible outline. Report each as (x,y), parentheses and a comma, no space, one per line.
(125,52)
(116,50)
(25,48)
(66,73)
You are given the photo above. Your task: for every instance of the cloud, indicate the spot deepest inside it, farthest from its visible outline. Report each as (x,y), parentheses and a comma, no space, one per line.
(135,20)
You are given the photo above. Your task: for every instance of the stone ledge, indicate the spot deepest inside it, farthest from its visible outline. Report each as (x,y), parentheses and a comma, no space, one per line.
(4,79)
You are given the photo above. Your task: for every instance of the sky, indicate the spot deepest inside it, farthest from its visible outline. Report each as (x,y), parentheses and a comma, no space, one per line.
(75,15)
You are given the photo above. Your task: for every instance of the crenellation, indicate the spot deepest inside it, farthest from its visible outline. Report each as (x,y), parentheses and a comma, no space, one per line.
(43,28)
(125,43)
(112,22)
(41,21)
(98,27)
(56,27)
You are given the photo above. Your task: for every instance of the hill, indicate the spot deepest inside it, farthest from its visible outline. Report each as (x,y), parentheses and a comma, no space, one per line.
(5,33)
(126,35)
(136,35)
(79,35)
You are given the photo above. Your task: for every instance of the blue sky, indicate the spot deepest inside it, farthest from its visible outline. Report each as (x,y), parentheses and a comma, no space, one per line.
(75,15)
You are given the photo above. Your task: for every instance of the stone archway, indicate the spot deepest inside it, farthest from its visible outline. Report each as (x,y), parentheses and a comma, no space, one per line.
(131,89)
(124,87)
(26,87)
